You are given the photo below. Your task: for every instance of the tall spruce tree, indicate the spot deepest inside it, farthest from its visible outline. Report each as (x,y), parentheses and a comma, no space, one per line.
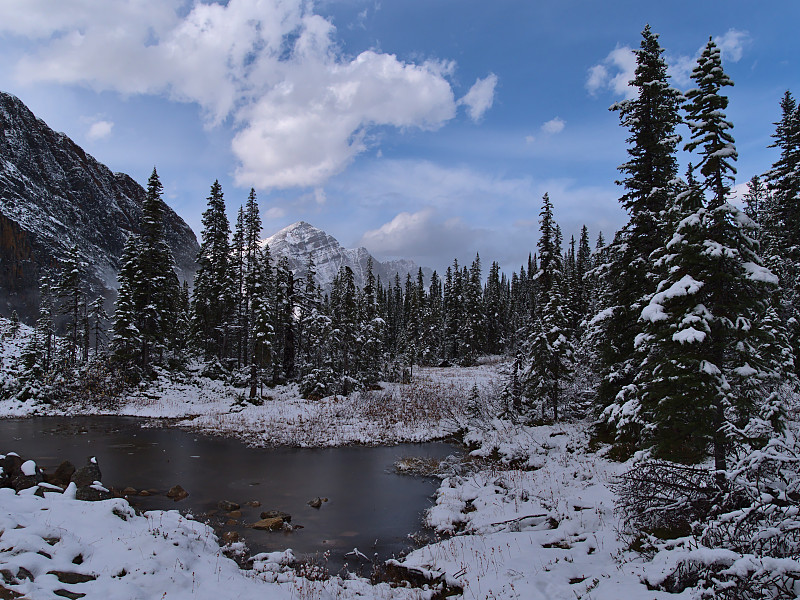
(548,361)
(212,300)
(627,276)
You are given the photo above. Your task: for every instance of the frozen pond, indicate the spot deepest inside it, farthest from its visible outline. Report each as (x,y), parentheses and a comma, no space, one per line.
(369,507)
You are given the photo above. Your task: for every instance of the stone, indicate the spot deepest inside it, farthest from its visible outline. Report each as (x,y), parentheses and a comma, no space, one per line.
(235,514)
(273,514)
(129,491)
(273,524)
(68,594)
(23,482)
(227,505)
(71,577)
(145,493)
(7,594)
(87,475)
(92,494)
(317,502)
(62,475)
(177,493)
(230,522)
(253,503)
(229,537)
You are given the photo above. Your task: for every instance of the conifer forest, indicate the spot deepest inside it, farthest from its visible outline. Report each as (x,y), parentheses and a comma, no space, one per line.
(673,343)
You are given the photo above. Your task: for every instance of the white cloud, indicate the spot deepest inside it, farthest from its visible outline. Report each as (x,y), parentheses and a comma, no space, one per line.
(274,213)
(99,130)
(302,110)
(554,125)
(529,139)
(732,45)
(614,73)
(480,97)
(424,233)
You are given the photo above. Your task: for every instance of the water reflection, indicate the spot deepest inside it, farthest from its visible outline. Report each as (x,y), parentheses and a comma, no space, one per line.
(369,506)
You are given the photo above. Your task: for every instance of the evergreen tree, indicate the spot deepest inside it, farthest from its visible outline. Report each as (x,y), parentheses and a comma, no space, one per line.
(626,271)
(548,351)
(263,330)
(157,288)
(212,300)
(72,301)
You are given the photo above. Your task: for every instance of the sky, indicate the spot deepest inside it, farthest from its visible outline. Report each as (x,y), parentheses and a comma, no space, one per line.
(423,129)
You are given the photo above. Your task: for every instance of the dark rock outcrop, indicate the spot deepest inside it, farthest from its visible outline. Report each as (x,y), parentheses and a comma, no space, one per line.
(53,195)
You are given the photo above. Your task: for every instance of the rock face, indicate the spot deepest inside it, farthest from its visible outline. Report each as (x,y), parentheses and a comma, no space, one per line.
(54,195)
(300,240)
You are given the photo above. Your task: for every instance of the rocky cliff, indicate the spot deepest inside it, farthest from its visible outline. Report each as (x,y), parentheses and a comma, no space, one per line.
(54,195)
(300,240)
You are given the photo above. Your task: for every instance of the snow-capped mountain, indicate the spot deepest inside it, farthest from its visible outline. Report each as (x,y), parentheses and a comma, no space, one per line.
(300,240)
(53,195)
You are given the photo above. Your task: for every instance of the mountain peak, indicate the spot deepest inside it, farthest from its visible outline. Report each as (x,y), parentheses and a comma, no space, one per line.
(300,240)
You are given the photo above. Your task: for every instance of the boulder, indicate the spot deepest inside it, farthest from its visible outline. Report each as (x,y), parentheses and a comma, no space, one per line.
(272,524)
(177,493)
(87,475)
(227,505)
(92,493)
(229,537)
(129,491)
(277,514)
(317,502)
(253,503)
(62,475)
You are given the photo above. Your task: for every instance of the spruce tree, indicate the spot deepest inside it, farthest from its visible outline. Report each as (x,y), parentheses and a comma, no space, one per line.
(548,350)
(625,273)
(212,299)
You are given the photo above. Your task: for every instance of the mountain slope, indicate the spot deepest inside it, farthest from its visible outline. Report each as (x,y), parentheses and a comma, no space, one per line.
(53,195)
(300,240)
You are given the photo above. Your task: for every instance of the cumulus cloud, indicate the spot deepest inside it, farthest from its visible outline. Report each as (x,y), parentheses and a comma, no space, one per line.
(424,233)
(554,125)
(302,111)
(480,97)
(732,45)
(99,130)
(613,73)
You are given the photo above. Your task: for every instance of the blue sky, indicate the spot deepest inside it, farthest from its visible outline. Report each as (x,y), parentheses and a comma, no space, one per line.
(427,129)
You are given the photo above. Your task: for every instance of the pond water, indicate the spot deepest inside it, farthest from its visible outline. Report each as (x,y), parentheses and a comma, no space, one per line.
(370,507)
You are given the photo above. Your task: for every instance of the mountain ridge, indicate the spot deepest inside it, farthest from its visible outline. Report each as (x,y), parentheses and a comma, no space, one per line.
(301,239)
(53,194)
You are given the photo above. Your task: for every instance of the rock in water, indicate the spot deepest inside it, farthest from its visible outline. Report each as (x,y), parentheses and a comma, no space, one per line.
(177,493)
(269,524)
(277,514)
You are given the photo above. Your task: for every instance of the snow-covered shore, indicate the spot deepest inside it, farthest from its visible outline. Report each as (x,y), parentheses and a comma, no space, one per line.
(529,514)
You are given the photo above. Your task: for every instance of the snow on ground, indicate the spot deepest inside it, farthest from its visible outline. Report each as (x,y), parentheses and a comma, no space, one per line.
(530,515)
(546,533)
(56,544)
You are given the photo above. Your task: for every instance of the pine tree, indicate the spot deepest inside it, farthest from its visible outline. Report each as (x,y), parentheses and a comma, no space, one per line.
(263,330)
(548,351)
(157,288)
(625,273)
(782,211)
(126,342)
(710,359)
(212,300)
(72,300)
(98,317)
